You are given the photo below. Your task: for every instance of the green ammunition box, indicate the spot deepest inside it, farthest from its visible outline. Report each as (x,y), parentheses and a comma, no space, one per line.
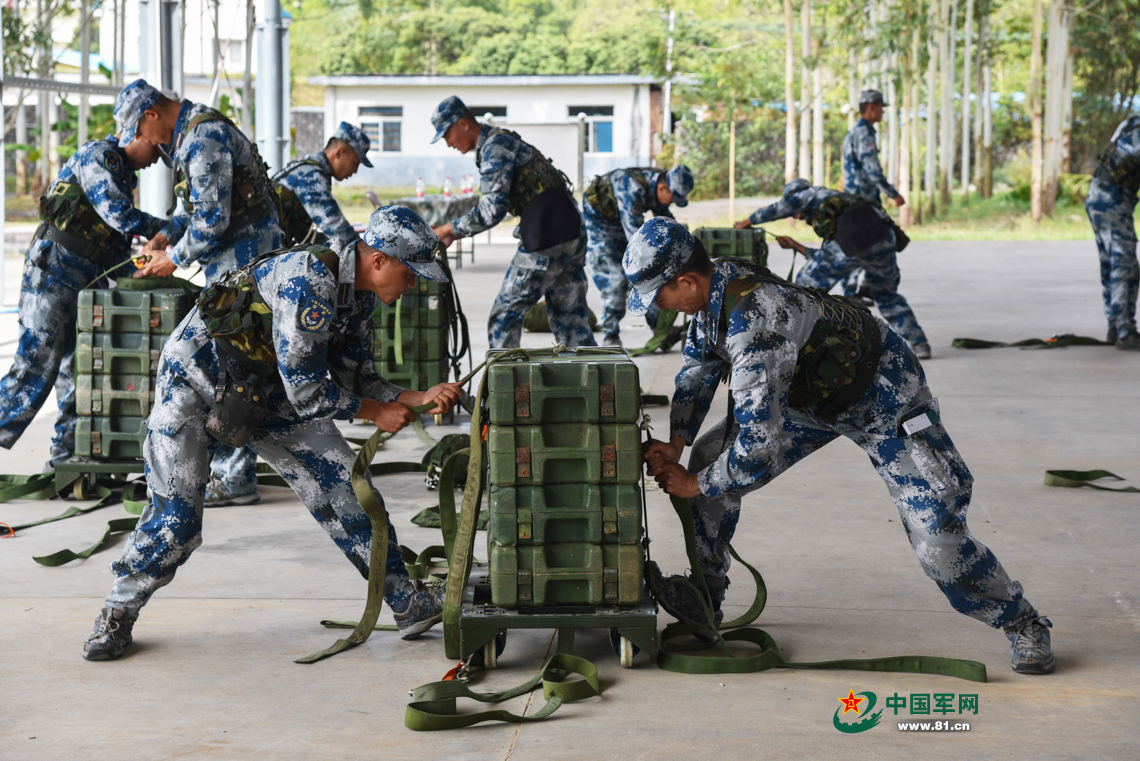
(118,353)
(566,574)
(418,376)
(726,241)
(428,287)
(416,311)
(559,513)
(112,311)
(113,438)
(565,453)
(575,389)
(114,395)
(419,344)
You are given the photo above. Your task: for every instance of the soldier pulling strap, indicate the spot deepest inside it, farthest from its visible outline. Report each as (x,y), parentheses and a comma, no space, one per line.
(600,192)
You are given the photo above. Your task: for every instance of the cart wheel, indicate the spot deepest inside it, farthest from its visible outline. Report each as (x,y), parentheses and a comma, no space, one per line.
(626,653)
(81,488)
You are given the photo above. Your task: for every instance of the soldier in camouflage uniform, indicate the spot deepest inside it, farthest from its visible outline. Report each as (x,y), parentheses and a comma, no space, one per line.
(1111,205)
(828,265)
(550,262)
(805,368)
(614,208)
(88,220)
(305,188)
(321,308)
(862,174)
(227,217)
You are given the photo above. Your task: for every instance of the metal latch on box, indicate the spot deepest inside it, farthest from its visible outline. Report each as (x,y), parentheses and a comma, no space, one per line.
(522,400)
(96,357)
(97,315)
(96,442)
(96,400)
(526,585)
(155,317)
(522,462)
(525,521)
(607,396)
(610,584)
(609,461)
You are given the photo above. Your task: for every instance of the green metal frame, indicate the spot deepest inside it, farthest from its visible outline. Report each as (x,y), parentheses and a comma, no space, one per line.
(68,471)
(480,621)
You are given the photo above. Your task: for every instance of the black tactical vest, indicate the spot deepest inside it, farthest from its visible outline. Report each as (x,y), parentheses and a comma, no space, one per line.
(600,192)
(531,179)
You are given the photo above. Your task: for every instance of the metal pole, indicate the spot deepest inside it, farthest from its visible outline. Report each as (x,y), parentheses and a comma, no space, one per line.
(667,90)
(247,76)
(269,90)
(84,66)
(581,155)
(3,163)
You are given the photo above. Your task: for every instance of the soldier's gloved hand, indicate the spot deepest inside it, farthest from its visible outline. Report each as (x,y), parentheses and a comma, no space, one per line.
(445,395)
(743,224)
(898,200)
(158,264)
(677,482)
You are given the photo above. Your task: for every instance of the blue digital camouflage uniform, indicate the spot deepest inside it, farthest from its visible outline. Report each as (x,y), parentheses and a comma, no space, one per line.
(53,276)
(298,438)
(607,240)
(828,265)
(1110,209)
(207,155)
(862,174)
(757,355)
(557,273)
(310,178)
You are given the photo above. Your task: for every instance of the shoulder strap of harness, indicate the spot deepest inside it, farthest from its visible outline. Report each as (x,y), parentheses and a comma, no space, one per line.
(294,166)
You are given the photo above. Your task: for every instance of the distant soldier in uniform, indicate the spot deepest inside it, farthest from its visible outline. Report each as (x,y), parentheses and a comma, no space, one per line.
(1111,205)
(862,174)
(782,347)
(88,219)
(309,211)
(226,219)
(550,262)
(313,362)
(871,240)
(614,208)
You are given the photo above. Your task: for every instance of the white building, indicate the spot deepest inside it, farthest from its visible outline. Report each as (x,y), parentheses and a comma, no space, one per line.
(622,112)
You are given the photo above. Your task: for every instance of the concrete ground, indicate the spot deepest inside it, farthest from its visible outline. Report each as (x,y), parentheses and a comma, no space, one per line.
(212,675)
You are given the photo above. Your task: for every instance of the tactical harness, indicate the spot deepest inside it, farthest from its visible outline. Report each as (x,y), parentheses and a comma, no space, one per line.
(600,192)
(241,324)
(252,197)
(296,224)
(1119,168)
(68,218)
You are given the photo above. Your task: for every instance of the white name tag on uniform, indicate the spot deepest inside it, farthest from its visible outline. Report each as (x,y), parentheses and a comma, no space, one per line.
(920,423)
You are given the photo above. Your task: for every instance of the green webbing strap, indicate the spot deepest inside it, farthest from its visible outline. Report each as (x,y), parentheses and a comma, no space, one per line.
(1075,479)
(39,486)
(665,322)
(672,658)
(433,705)
(425,437)
(108,496)
(378,554)
(266,476)
(398,340)
(464,543)
(420,566)
(1055,342)
(448,521)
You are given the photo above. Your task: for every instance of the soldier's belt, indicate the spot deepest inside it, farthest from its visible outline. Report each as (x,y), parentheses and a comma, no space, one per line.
(76,244)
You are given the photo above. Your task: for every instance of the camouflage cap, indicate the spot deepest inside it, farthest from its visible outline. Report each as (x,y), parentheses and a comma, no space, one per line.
(868,97)
(448,112)
(795,187)
(680,180)
(653,257)
(135,98)
(401,233)
(356,139)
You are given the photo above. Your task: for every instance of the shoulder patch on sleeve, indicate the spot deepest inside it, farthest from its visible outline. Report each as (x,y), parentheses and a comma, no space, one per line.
(111,161)
(315,315)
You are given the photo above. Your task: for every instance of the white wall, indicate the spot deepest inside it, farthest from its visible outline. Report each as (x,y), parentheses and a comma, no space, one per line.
(525,103)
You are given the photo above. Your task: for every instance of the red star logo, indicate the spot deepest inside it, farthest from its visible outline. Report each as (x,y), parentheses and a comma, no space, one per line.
(851,703)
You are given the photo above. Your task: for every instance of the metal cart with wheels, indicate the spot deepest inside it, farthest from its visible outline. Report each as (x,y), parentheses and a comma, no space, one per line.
(483,625)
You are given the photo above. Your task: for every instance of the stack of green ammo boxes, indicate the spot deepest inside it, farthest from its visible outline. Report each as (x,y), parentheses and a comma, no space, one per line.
(750,245)
(565,462)
(416,324)
(121,334)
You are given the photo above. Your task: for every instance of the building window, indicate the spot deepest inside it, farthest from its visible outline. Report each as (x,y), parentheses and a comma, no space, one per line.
(499,112)
(372,129)
(599,127)
(381,110)
(391,136)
